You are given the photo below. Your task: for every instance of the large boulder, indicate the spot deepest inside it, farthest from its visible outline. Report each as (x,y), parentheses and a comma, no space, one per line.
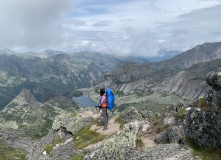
(171,135)
(203,128)
(120,146)
(162,138)
(131,114)
(174,134)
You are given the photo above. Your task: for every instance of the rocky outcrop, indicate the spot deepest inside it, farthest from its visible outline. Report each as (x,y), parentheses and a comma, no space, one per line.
(120,146)
(203,127)
(164,152)
(214,80)
(61,135)
(71,123)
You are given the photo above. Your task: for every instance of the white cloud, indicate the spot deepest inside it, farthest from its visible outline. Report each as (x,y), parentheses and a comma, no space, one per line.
(127,27)
(31,24)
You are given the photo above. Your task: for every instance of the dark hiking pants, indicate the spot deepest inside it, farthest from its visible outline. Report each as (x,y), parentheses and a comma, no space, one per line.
(104,112)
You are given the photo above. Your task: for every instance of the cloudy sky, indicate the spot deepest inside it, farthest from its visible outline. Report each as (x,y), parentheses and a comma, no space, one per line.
(123,27)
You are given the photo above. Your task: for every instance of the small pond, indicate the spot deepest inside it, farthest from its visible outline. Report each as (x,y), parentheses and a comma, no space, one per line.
(85,101)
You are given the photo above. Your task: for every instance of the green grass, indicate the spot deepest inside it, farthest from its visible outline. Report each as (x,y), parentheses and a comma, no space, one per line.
(120,121)
(48,148)
(139,142)
(208,154)
(84,137)
(180,113)
(79,156)
(10,153)
(74,114)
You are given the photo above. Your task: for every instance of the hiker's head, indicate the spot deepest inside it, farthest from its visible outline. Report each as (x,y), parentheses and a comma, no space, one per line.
(102,91)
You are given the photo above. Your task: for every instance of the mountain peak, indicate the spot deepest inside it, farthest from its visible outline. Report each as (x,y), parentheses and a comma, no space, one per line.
(25,99)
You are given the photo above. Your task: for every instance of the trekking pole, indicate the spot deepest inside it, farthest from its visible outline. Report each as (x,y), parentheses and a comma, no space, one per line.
(98,108)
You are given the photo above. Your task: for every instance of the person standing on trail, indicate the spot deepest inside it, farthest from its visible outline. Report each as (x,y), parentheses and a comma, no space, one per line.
(103,104)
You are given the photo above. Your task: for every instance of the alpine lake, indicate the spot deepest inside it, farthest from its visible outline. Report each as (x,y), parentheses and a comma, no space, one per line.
(85,101)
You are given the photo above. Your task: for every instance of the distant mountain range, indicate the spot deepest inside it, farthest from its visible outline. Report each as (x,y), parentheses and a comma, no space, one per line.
(69,71)
(183,75)
(52,69)
(56,72)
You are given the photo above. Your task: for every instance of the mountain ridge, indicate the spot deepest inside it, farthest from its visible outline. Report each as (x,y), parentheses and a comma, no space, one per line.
(201,53)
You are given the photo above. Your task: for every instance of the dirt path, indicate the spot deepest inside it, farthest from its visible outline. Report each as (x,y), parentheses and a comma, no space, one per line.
(113,127)
(148,137)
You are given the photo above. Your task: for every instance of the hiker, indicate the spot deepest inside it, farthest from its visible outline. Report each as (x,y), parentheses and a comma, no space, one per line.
(103,104)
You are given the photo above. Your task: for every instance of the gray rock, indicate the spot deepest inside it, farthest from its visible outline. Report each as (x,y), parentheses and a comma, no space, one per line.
(214,80)
(203,127)
(169,121)
(71,123)
(171,135)
(162,138)
(146,126)
(66,151)
(146,114)
(63,127)
(119,147)
(174,134)
(164,151)
(131,114)
(16,141)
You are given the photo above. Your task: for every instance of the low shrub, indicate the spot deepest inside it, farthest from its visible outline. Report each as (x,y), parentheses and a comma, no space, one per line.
(139,142)
(202,103)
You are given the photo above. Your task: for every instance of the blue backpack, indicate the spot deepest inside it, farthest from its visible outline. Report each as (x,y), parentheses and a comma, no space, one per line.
(110,98)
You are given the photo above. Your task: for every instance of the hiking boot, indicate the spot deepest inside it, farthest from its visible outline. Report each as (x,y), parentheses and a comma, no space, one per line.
(105,128)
